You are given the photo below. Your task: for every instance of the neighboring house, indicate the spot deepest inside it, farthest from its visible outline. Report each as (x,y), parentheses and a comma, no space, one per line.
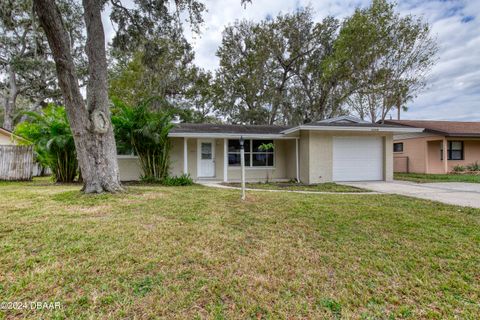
(16,162)
(6,137)
(443,145)
(9,138)
(340,149)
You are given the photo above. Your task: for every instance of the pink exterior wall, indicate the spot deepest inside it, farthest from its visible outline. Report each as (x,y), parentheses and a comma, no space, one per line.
(416,149)
(471,149)
(435,165)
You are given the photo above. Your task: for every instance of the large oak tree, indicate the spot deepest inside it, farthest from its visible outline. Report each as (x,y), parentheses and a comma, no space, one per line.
(90,121)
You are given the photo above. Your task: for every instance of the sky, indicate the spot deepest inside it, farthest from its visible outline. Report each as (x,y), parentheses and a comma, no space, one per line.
(453,85)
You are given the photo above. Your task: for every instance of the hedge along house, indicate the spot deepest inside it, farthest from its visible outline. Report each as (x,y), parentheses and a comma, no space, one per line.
(339,149)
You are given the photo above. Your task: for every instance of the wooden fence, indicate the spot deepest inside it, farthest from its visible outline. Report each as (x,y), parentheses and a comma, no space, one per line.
(16,162)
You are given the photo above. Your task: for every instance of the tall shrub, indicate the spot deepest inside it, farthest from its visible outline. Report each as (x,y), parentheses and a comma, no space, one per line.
(145,132)
(54,147)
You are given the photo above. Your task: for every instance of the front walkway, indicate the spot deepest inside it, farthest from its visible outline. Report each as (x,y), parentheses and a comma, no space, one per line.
(456,193)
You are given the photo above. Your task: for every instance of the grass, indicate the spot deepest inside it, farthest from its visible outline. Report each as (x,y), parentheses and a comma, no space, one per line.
(424,178)
(322,187)
(201,253)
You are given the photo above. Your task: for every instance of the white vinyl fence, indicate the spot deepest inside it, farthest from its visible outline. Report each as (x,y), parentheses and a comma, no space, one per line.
(16,162)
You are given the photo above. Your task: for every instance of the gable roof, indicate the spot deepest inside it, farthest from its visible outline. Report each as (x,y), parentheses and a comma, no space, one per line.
(448,128)
(343,119)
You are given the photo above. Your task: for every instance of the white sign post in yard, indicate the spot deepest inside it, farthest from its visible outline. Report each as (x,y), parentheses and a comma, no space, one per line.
(242,163)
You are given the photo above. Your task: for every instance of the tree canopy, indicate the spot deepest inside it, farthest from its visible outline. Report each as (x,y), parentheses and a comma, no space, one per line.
(273,71)
(26,66)
(386,56)
(291,69)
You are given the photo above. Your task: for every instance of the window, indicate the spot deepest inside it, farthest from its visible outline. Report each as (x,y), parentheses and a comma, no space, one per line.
(206,149)
(398,147)
(454,151)
(234,152)
(254,155)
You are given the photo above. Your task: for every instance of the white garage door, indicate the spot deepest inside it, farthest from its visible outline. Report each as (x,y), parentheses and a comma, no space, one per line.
(357,158)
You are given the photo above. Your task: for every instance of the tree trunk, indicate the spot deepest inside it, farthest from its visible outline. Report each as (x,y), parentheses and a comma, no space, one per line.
(399,107)
(10,100)
(91,125)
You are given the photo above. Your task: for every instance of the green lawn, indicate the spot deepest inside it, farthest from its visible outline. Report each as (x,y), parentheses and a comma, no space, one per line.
(321,187)
(424,178)
(199,252)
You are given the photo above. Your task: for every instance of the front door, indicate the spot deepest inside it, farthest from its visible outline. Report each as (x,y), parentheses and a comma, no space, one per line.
(206,158)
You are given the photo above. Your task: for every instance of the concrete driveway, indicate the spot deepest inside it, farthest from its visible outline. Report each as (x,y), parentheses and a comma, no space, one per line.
(457,193)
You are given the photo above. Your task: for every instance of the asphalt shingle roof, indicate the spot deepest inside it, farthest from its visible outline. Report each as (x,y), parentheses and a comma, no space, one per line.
(261,129)
(349,124)
(227,128)
(449,128)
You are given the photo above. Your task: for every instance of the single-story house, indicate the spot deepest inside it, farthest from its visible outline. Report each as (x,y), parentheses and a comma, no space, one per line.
(442,146)
(339,149)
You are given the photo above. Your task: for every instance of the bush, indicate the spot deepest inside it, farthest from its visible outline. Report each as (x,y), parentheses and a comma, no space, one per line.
(458,168)
(139,129)
(183,180)
(50,133)
(473,166)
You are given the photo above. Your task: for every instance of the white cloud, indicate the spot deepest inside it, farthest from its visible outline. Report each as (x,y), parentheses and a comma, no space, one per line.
(453,90)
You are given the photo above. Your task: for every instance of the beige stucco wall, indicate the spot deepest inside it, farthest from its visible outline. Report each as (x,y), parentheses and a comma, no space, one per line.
(321,157)
(316,154)
(304,155)
(315,159)
(176,156)
(129,168)
(388,157)
(423,153)
(290,159)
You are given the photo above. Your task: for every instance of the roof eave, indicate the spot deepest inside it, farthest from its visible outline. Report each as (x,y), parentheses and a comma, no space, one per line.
(354,129)
(13,136)
(227,135)
(463,135)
